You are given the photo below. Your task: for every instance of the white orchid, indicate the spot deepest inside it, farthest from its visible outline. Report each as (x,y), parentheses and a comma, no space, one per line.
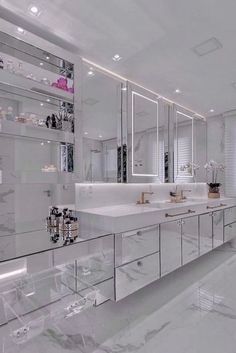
(214,168)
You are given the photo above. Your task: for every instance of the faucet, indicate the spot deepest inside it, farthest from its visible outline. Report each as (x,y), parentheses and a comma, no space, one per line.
(142,201)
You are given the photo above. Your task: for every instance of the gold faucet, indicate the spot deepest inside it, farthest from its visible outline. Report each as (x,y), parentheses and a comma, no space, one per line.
(142,201)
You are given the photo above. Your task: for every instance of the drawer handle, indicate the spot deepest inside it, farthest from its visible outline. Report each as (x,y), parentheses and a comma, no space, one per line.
(139,263)
(179,214)
(212,207)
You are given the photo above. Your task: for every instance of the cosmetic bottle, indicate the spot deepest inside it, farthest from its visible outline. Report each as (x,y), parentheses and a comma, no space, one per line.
(1,63)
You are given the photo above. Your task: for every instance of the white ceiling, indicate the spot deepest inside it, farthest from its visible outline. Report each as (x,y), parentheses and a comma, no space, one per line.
(155,39)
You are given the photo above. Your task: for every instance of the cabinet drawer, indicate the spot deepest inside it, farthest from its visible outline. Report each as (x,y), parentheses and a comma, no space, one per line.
(230,232)
(135,275)
(132,245)
(230,215)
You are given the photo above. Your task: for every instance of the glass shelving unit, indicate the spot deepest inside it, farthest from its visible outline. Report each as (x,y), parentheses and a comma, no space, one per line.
(36,109)
(34,303)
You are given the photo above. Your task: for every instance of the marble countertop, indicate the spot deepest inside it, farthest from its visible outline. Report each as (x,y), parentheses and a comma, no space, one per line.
(133,209)
(121,218)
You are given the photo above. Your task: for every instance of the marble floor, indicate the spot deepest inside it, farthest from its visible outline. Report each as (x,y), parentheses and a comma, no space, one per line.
(192,310)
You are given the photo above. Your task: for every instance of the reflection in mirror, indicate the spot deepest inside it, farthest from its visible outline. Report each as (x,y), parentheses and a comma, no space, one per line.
(144,136)
(101,107)
(184,169)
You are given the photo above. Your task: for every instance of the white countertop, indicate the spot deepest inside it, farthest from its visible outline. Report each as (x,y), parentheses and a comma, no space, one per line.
(120,218)
(133,209)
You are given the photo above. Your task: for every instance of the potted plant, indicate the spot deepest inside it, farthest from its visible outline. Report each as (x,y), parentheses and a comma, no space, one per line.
(214,168)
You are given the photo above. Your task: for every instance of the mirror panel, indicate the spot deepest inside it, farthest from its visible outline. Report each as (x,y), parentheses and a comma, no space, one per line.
(146,136)
(145,145)
(101,111)
(183,147)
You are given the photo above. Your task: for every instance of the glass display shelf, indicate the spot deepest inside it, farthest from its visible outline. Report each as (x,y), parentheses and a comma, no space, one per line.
(37,301)
(31,85)
(33,55)
(36,132)
(29,160)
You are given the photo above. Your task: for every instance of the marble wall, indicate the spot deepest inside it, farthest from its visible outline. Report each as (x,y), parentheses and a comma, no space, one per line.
(98,195)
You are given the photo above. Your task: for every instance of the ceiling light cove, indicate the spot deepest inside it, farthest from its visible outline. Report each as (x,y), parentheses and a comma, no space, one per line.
(34,10)
(85,133)
(116,57)
(211,110)
(100,136)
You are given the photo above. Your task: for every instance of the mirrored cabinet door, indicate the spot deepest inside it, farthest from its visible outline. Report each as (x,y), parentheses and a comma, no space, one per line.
(183,147)
(101,113)
(147,135)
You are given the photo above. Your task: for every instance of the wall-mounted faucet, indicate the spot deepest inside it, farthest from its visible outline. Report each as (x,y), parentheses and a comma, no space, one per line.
(142,200)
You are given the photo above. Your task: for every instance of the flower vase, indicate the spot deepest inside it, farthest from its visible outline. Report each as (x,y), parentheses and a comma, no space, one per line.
(214,190)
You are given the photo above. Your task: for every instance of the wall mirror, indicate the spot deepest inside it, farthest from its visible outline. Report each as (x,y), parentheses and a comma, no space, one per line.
(101,113)
(144,136)
(189,147)
(147,133)
(183,147)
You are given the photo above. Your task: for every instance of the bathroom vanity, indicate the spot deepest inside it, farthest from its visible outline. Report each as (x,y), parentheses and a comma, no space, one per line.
(155,239)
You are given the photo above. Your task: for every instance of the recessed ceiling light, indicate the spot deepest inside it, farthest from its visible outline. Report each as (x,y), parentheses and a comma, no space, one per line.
(20,30)
(48,100)
(41,104)
(48,141)
(100,136)
(116,57)
(48,57)
(86,133)
(177,90)
(42,143)
(91,73)
(41,64)
(211,110)
(34,10)
(124,88)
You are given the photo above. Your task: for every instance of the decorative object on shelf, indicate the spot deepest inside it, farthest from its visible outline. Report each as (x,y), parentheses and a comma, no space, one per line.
(61,121)
(21,118)
(9,114)
(62,83)
(10,66)
(2,114)
(214,187)
(49,168)
(1,63)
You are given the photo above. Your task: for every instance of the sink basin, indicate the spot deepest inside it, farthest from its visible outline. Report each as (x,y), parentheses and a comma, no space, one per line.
(167,204)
